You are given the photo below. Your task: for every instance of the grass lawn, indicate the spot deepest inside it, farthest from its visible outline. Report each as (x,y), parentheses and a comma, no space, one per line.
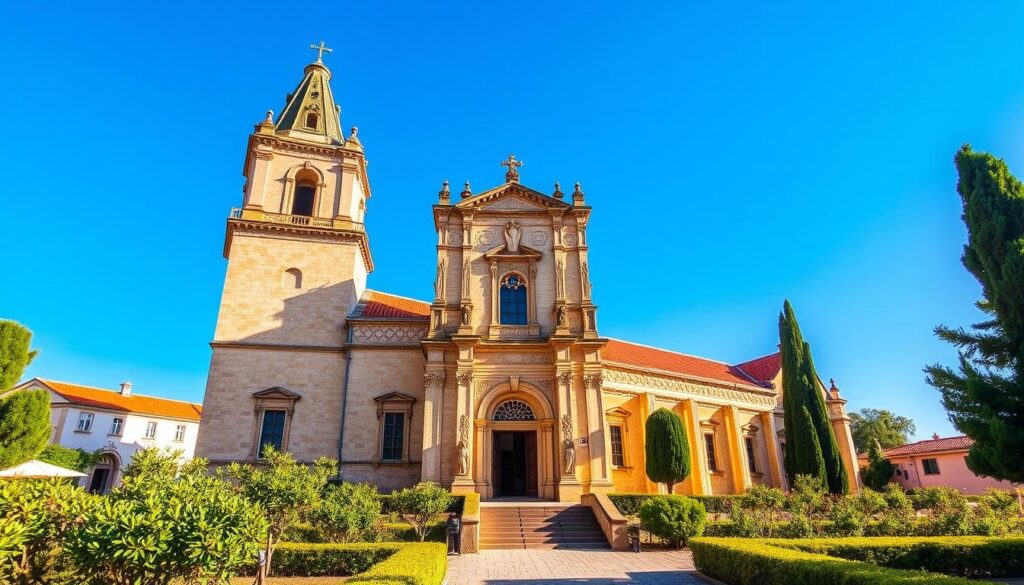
(291,580)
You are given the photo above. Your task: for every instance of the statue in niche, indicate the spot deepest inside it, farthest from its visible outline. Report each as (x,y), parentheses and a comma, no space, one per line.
(463,446)
(513,234)
(561,318)
(465,278)
(586,280)
(569,453)
(439,282)
(467,314)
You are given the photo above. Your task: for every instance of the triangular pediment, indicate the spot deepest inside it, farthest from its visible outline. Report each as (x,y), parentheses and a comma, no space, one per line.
(277,392)
(502,253)
(395,397)
(512,197)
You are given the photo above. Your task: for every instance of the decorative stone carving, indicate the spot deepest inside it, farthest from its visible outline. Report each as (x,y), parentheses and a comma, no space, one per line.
(515,332)
(513,410)
(519,358)
(538,238)
(466,273)
(485,238)
(570,239)
(439,281)
(465,377)
(612,375)
(454,237)
(388,334)
(565,378)
(463,446)
(433,380)
(593,381)
(512,175)
(568,446)
(513,234)
(561,320)
(467,314)
(585,280)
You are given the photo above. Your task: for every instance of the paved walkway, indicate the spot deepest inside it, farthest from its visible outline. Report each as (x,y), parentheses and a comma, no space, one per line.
(559,567)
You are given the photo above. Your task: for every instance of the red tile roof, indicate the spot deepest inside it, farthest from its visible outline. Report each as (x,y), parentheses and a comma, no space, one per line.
(134,403)
(383,305)
(763,368)
(960,443)
(632,354)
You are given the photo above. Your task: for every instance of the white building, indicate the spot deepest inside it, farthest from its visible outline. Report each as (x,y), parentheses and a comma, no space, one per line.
(116,422)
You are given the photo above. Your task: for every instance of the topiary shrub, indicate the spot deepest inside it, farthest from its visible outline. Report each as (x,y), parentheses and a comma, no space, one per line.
(420,505)
(674,519)
(347,512)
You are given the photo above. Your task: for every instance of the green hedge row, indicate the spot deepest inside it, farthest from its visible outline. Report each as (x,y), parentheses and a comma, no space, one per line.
(629,503)
(388,532)
(391,563)
(967,556)
(742,561)
(387,505)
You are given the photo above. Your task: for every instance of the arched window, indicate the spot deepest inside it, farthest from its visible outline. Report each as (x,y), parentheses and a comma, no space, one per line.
(311,120)
(513,300)
(305,193)
(292,278)
(514,410)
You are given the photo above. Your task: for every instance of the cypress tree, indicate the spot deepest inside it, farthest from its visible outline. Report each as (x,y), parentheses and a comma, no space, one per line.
(24,426)
(15,355)
(985,399)
(666,448)
(801,391)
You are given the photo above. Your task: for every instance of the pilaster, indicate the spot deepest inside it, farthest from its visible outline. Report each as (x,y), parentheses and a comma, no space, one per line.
(433,407)
(771,441)
(738,467)
(597,431)
(701,483)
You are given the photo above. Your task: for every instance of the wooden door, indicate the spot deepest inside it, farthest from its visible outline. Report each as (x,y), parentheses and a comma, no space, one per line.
(531,465)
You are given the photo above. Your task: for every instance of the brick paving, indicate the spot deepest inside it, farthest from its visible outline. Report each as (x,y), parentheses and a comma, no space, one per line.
(560,567)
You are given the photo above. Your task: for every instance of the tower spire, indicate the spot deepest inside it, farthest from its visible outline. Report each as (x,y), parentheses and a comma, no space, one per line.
(310,112)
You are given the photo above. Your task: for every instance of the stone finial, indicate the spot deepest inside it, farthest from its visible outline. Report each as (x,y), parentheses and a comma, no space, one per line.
(577,194)
(466,193)
(833,390)
(512,175)
(269,120)
(935,436)
(445,193)
(558,191)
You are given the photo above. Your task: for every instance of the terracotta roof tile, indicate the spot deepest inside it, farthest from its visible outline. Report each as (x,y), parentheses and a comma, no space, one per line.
(763,368)
(383,305)
(960,443)
(134,403)
(632,354)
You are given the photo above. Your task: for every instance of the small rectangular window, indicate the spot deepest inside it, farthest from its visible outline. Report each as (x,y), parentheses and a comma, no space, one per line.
(85,422)
(116,426)
(751,459)
(179,433)
(272,432)
(709,446)
(394,436)
(618,460)
(931,466)
(151,429)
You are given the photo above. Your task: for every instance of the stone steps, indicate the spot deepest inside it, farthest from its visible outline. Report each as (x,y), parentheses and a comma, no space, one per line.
(535,527)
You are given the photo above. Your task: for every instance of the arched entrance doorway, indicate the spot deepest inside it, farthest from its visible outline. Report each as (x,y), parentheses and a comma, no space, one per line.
(104,473)
(514,440)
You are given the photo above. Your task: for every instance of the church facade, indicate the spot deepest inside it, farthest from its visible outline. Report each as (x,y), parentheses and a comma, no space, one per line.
(500,384)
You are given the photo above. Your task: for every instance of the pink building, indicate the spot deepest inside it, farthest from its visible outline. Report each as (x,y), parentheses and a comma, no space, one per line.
(939,461)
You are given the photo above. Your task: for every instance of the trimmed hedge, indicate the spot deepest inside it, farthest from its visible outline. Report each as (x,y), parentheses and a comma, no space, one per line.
(742,561)
(629,503)
(415,563)
(967,556)
(470,504)
(387,532)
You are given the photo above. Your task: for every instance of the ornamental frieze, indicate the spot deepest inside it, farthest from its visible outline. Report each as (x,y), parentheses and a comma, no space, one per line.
(388,334)
(516,358)
(612,376)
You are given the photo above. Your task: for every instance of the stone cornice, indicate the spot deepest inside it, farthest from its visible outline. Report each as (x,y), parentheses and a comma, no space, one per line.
(297,232)
(309,148)
(276,346)
(688,377)
(632,381)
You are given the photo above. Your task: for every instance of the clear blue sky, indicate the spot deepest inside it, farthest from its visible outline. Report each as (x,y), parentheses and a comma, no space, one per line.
(734,154)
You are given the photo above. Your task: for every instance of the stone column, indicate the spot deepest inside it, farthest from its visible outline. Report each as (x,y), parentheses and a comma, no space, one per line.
(701,482)
(771,441)
(257,185)
(433,406)
(647,406)
(738,467)
(463,482)
(482,458)
(597,432)
(569,488)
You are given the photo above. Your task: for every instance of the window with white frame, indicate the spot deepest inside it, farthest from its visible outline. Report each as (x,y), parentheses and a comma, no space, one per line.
(116,426)
(85,422)
(151,429)
(618,457)
(179,433)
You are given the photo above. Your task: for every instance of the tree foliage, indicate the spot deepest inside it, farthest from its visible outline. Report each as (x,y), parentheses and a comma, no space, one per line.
(802,392)
(879,470)
(869,425)
(285,489)
(419,505)
(15,355)
(69,458)
(666,448)
(24,426)
(985,398)
(347,512)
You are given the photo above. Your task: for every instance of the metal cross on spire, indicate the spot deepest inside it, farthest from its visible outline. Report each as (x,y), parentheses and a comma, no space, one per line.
(512,175)
(320,51)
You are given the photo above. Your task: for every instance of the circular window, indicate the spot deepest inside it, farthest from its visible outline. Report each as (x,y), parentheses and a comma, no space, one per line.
(514,410)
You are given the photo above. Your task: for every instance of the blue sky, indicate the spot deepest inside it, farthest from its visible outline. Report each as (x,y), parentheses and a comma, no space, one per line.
(735,154)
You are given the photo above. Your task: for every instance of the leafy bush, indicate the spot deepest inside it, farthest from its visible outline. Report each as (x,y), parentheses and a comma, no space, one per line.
(69,458)
(756,512)
(628,504)
(305,559)
(741,561)
(347,512)
(420,505)
(415,563)
(674,519)
(24,426)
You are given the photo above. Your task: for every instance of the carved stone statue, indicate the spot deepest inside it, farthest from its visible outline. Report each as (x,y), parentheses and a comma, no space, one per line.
(467,314)
(513,234)
(569,446)
(463,446)
(560,316)
(586,281)
(439,281)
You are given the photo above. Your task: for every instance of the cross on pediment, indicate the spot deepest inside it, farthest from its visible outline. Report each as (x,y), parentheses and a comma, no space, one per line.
(320,50)
(512,175)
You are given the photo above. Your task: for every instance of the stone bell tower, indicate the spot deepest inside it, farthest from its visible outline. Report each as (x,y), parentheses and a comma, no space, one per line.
(298,257)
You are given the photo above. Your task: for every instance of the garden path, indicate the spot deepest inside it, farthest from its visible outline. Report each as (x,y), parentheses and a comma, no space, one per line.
(561,567)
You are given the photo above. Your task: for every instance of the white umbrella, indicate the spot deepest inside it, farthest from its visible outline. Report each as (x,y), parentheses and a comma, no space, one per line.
(36,469)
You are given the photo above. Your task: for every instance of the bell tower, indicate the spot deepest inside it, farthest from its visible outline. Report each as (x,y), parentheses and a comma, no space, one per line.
(298,257)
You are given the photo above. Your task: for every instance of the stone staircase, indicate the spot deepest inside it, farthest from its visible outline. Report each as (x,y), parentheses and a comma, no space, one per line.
(534,527)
